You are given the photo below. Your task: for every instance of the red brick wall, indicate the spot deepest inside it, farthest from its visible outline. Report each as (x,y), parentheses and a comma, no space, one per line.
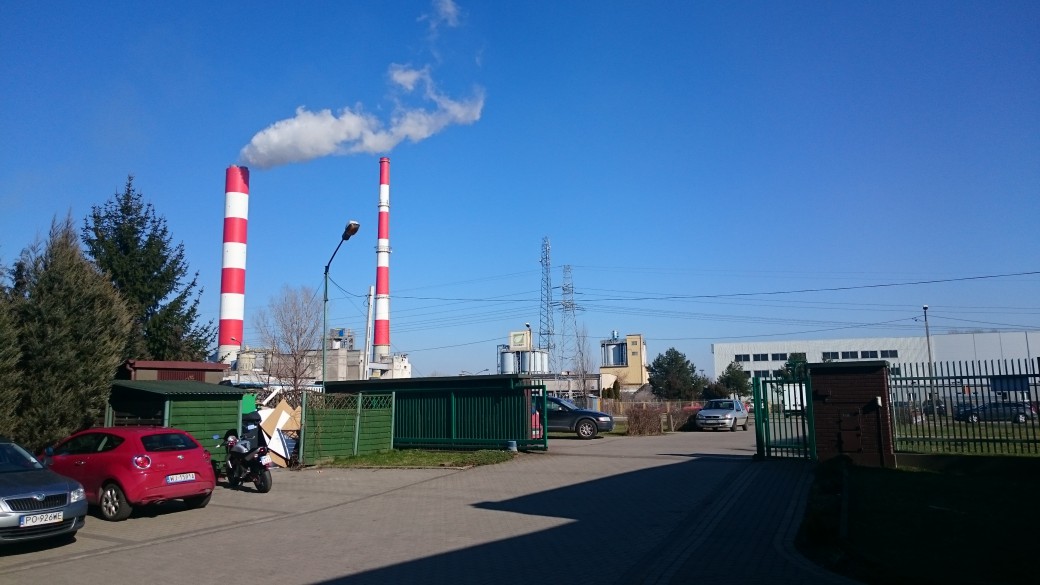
(848,419)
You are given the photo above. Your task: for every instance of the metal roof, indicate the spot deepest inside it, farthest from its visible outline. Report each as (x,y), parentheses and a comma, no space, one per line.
(178,387)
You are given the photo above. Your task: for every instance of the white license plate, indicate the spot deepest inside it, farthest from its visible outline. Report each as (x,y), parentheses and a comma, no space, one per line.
(180,477)
(265,459)
(38,519)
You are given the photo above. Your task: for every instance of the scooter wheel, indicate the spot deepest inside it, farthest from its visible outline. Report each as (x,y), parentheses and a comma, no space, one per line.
(263,481)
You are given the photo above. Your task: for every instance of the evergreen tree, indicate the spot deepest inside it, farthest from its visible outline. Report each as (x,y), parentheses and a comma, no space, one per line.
(673,377)
(131,243)
(71,328)
(795,369)
(735,381)
(10,381)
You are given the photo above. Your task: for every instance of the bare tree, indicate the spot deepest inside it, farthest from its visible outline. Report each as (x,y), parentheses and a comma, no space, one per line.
(290,326)
(582,356)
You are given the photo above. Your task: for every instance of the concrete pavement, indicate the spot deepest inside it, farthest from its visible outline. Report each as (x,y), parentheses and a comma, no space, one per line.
(683,508)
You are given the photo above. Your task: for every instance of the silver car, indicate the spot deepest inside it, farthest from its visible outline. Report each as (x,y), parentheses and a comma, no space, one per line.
(722,414)
(35,502)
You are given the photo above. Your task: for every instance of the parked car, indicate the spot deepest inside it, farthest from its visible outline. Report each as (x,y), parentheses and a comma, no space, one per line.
(35,502)
(927,407)
(722,414)
(563,416)
(124,467)
(1018,412)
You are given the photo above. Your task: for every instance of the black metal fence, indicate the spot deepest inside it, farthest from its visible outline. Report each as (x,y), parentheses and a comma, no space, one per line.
(966,407)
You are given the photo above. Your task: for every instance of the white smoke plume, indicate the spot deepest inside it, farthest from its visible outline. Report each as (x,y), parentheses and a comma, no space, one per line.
(311,135)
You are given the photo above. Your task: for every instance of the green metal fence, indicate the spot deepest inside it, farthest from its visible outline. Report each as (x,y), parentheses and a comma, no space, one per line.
(784,425)
(461,412)
(985,407)
(344,425)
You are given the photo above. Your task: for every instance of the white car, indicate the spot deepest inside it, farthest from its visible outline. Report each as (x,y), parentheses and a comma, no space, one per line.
(722,414)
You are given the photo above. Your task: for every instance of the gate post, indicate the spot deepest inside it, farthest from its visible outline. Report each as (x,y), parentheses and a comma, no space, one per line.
(760,418)
(850,412)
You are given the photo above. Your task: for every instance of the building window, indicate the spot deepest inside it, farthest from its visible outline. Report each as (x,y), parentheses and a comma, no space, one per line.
(867,355)
(830,355)
(889,353)
(761,357)
(742,357)
(850,355)
(895,371)
(762,373)
(779,357)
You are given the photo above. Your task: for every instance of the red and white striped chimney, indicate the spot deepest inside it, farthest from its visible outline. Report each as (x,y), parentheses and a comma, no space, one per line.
(233,267)
(381,337)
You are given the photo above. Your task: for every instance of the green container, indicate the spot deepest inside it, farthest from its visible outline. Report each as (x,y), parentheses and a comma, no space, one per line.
(199,408)
(460,412)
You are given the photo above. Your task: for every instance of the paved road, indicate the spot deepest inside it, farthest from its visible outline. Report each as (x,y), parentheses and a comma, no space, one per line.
(614,510)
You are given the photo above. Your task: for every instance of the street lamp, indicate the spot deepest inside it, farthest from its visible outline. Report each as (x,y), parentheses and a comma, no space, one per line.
(351,229)
(928,341)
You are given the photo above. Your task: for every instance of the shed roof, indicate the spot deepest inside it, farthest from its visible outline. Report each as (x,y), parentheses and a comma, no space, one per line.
(178,387)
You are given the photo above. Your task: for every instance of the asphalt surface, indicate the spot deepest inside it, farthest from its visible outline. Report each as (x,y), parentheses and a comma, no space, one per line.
(682,508)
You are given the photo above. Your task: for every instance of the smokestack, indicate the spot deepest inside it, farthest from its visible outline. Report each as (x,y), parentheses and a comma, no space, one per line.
(233,267)
(381,337)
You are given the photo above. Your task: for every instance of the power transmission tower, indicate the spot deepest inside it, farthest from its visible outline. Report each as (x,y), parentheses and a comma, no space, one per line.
(545,324)
(568,338)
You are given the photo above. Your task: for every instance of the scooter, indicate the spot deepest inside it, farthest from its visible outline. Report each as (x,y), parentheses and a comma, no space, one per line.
(245,463)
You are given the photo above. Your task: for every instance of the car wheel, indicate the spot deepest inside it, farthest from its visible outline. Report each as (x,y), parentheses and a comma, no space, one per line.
(743,427)
(586,429)
(1020,418)
(973,418)
(198,501)
(113,504)
(733,428)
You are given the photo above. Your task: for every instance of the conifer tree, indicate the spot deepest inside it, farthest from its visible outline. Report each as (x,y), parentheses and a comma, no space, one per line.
(129,241)
(10,382)
(72,326)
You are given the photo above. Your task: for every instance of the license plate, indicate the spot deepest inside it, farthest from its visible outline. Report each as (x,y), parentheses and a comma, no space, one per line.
(265,459)
(38,519)
(180,477)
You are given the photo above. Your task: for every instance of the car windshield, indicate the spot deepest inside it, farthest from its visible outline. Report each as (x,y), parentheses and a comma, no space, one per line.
(13,458)
(719,405)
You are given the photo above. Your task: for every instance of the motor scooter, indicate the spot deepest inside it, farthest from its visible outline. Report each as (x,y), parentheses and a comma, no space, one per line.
(247,459)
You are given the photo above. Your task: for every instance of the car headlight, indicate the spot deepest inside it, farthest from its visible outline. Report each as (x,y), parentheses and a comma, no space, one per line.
(729,415)
(700,415)
(77,495)
(603,418)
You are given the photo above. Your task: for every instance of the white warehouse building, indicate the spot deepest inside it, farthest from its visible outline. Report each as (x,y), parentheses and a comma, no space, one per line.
(761,358)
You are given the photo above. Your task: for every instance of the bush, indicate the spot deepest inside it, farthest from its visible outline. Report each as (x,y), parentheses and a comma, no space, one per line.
(646,420)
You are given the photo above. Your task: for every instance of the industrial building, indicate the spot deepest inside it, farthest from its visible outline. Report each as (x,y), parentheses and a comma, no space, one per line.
(762,358)
(624,360)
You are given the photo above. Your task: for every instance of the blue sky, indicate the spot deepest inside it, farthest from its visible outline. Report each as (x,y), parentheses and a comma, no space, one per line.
(697,151)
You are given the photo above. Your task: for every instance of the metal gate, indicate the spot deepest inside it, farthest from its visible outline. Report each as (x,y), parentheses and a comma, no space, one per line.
(784,425)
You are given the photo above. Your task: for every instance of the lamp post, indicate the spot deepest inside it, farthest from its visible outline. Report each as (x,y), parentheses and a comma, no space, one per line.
(928,341)
(351,229)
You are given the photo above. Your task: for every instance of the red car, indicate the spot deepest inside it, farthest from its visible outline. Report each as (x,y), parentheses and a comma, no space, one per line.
(123,467)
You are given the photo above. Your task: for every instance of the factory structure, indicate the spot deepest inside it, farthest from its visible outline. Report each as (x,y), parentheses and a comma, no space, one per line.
(346,359)
(762,358)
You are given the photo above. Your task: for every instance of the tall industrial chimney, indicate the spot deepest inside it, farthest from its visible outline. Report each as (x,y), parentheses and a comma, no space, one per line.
(233,267)
(381,337)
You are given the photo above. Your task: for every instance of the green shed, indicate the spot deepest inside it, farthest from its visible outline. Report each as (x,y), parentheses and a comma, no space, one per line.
(470,412)
(201,409)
